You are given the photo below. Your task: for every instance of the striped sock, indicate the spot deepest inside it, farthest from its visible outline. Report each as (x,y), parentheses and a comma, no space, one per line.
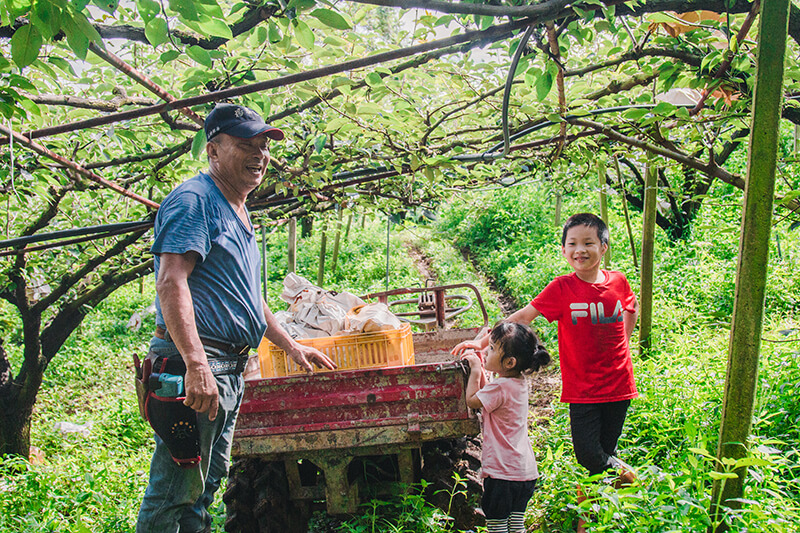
(496,525)
(516,523)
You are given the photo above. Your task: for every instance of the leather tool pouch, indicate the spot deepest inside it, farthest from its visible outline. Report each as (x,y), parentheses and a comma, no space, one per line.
(173,422)
(142,379)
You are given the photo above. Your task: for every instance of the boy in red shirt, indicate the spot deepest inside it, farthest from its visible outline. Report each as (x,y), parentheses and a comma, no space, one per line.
(596,312)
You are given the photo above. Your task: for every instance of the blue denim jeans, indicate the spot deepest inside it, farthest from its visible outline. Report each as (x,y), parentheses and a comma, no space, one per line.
(177,499)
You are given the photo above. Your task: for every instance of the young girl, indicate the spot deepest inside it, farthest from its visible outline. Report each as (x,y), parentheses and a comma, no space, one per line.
(508,464)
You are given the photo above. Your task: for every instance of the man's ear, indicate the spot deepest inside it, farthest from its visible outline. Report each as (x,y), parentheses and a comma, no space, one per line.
(211,149)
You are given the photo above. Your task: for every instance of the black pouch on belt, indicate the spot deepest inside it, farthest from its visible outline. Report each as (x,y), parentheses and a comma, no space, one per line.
(173,421)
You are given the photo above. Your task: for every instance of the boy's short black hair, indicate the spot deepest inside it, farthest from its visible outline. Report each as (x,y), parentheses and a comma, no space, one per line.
(586,219)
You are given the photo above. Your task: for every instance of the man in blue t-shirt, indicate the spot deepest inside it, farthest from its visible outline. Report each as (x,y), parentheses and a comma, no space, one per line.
(209,312)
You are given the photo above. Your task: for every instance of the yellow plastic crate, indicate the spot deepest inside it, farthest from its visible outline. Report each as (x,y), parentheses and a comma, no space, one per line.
(393,347)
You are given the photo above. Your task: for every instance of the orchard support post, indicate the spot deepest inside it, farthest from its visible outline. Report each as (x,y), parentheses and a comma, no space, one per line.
(557,215)
(648,259)
(751,272)
(601,175)
(322,250)
(292,246)
(264,264)
(627,215)
(336,240)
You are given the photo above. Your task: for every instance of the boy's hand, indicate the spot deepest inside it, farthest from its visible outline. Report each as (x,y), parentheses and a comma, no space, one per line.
(463,347)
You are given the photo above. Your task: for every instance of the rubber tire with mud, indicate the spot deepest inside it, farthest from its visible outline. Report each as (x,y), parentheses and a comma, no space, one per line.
(440,460)
(258,501)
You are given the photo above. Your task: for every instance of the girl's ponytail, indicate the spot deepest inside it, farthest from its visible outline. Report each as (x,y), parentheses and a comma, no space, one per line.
(520,342)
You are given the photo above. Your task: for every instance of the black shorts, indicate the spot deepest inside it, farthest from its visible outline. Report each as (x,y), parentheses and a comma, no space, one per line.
(502,497)
(596,427)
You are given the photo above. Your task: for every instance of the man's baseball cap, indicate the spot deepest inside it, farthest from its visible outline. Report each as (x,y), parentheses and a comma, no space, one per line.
(238,121)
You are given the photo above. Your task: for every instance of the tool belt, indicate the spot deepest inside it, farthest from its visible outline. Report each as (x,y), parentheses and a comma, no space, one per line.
(159,389)
(229,348)
(174,422)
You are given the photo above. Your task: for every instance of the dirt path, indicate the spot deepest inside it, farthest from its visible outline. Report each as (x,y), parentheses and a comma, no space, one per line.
(545,385)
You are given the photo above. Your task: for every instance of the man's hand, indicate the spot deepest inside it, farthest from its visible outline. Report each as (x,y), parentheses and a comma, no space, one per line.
(202,394)
(305,355)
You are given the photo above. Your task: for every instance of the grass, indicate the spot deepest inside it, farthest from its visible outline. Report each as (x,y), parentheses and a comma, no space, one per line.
(95,483)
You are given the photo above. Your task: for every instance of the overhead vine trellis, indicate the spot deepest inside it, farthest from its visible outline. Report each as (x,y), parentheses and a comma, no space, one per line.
(103,101)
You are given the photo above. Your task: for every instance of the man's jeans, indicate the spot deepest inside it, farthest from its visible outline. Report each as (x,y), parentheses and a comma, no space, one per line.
(177,499)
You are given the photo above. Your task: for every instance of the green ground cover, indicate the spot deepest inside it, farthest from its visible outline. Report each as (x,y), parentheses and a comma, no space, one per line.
(95,482)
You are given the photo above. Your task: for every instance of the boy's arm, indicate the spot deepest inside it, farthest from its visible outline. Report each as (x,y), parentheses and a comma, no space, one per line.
(630,318)
(476,380)
(522,316)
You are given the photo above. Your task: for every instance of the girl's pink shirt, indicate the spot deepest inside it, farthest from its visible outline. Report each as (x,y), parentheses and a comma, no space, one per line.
(507,452)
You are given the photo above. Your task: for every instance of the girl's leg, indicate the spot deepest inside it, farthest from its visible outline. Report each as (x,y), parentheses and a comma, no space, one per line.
(497,525)
(516,523)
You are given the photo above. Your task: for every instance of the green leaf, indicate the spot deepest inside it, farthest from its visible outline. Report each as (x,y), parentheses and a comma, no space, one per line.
(543,85)
(211,9)
(16,8)
(303,34)
(198,143)
(46,18)
(331,18)
(156,31)
(335,124)
(214,27)
(23,83)
(274,33)
(186,10)
(25,45)
(200,55)
(368,109)
(635,114)
(148,9)
(109,6)
(374,79)
(169,55)
(722,475)
(319,143)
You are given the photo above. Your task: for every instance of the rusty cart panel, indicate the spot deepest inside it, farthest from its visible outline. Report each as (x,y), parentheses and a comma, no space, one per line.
(350,409)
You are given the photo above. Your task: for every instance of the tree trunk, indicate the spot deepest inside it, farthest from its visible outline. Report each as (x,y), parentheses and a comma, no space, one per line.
(292,246)
(322,249)
(336,240)
(15,425)
(751,274)
(601,175)
(648,253)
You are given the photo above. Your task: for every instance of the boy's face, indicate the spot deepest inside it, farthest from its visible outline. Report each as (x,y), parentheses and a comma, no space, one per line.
(583,251)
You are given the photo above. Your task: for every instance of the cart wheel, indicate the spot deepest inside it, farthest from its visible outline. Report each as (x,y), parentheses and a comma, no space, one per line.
(258,500)
(440,460)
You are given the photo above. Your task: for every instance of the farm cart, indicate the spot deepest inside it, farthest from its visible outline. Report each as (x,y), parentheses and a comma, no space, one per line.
(338,437)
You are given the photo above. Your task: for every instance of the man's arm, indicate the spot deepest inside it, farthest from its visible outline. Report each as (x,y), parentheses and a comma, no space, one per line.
(172,286)
(302,355)
(629,319)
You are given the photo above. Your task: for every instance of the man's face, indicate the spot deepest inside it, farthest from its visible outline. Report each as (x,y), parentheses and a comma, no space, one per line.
(242,163)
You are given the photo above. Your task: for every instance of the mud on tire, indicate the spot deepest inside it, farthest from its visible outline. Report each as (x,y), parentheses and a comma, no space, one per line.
(258,500)
(440,460)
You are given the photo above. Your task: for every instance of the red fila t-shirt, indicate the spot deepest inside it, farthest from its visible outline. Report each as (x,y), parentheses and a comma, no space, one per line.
(593,350)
